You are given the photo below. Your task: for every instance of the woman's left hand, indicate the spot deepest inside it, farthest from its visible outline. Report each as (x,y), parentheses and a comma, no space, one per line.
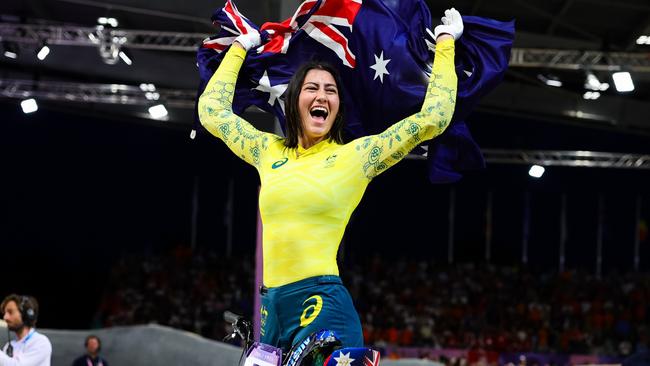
(452,24)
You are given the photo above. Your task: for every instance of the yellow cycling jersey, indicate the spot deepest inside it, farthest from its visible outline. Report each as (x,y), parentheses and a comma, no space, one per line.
(308,195)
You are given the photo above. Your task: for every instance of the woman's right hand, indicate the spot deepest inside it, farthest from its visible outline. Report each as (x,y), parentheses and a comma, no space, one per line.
(248,41)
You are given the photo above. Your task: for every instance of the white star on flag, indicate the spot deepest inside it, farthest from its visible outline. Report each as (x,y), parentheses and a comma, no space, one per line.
(344,359)
(275,91)
(380,67)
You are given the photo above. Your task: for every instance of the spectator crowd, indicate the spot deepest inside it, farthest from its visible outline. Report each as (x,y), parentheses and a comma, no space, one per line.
(505,309)
(182,288)
(407,302)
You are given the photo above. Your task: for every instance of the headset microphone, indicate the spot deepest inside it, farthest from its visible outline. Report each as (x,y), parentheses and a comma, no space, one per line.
(10,348)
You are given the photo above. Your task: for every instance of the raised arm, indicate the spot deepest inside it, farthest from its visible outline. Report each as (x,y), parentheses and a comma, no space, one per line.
(216,115)
(380,152)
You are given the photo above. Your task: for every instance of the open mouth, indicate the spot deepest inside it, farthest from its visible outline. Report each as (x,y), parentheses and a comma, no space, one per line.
(319,113)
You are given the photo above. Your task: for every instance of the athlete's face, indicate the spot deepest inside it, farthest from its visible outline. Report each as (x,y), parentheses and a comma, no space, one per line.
(12,316)
(318,104)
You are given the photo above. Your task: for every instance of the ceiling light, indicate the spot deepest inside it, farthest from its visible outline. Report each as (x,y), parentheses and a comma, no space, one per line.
(623,81)
(536,171)
(107,21)
(10,49)
(125,58)
(158,111)
(592,82)
(147,87)
(643,40)
(109,53)
(550,80)
(152,95)
(43,52)
(555,83)
(29,105)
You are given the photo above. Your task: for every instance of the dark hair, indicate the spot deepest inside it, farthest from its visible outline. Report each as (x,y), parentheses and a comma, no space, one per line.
(13,297)
(92,336)
(292,113)
(27,306)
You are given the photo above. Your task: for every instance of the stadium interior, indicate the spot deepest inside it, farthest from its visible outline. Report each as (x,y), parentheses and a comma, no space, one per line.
(116,215)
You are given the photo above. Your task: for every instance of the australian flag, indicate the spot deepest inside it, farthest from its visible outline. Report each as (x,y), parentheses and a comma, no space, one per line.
(379,48)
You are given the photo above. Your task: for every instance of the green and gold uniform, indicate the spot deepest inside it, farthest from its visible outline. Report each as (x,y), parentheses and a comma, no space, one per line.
(308,195)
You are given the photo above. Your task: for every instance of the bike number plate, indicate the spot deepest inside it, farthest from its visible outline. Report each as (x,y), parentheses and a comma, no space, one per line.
(261,354)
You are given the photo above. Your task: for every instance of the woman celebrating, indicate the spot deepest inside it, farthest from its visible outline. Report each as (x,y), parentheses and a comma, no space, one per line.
(312,181)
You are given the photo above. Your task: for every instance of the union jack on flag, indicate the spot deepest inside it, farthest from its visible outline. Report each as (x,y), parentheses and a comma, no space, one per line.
(372,358)
(384,62)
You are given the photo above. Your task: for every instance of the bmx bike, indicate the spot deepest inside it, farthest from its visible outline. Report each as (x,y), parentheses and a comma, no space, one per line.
(321,348)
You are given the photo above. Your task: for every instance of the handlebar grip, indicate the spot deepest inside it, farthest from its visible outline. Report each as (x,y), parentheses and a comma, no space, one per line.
(231,317)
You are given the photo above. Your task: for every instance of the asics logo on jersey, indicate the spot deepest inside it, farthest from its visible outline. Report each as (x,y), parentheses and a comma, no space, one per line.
(313,310)
(329,162)
(263,315)
(279,163)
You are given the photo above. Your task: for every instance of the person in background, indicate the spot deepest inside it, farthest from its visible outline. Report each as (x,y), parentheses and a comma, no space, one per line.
(30,348)
(93,345)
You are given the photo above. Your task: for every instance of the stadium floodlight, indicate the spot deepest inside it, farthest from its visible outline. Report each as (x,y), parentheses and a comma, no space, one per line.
(147,87)
(107,21)
(536,171)
(43,52)
(551,80)
(10,50)
(623,81)
(152,95)
(158,111)
(592,82)
(29,105)
(109,52)
(643,40)
(127,60)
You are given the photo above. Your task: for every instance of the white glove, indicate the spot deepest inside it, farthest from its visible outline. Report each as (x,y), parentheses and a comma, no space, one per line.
(249,40)
(452,24)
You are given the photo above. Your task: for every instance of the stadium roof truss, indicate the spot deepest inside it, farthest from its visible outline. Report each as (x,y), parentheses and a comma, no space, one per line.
(178,41)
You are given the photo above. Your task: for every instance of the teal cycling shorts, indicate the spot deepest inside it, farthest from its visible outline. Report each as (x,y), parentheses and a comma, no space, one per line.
(292,312)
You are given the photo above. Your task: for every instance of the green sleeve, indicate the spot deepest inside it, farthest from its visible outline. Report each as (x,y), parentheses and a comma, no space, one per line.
(380,152)
(216,115)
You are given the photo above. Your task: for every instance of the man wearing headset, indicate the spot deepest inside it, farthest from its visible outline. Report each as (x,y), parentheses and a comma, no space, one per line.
(30,348)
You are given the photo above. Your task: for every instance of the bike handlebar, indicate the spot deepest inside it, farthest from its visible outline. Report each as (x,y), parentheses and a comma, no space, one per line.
(231,317)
